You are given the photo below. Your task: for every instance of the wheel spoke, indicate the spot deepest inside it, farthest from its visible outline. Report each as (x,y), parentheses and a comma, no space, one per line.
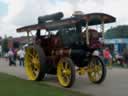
(34,53)
(29,54)
(67,79)
(34,73)
(99,75)
(36,56)
(94,76)
(66,65)
(62,66)
(36,66)
(99,68)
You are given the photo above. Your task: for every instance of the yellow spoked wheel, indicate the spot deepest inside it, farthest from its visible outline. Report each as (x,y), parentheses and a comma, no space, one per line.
(66,72)
(34,63)
(96,70)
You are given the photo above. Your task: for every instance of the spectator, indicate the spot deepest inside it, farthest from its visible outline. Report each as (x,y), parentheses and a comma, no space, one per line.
(14,57)
(21,54)
(125,56)
(107,56)
(11,57)
(119,59)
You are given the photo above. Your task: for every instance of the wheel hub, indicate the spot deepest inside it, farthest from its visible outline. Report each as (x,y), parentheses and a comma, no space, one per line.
(66,72)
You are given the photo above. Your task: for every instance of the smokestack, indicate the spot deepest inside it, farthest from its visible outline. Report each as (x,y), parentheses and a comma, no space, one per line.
(52,17)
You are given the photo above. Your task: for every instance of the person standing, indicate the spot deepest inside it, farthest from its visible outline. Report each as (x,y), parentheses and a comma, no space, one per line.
(107,56)
(14,56)
(125,56)
(11,57)
(21,54)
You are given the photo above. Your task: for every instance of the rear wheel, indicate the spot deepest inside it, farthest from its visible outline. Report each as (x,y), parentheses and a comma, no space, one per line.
(66,72)
(35,63)
(96,70)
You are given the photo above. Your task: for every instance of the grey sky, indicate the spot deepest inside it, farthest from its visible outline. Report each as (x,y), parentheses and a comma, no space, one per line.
(25,12)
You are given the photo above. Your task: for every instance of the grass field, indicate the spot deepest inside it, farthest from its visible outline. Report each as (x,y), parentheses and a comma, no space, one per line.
(13,86)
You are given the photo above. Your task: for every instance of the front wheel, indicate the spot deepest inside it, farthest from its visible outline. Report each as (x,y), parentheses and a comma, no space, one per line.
(35,63)
(96,70)
(66,72)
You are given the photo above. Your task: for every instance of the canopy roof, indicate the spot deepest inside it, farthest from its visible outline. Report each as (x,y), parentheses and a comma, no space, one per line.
(92,19)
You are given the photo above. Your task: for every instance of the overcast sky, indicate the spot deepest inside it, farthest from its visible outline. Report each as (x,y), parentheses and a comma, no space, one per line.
(17,13)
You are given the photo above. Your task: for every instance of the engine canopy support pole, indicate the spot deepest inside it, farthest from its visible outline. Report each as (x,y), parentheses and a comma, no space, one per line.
(28,36)
(87,34)
(102,30)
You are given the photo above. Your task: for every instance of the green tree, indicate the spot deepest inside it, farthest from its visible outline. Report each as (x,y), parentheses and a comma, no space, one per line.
(5,45)
(117,32)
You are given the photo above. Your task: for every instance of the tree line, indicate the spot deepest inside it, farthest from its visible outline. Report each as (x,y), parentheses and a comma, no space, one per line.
(117,32)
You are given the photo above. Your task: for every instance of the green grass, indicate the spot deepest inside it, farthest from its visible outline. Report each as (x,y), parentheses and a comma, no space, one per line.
(13,86)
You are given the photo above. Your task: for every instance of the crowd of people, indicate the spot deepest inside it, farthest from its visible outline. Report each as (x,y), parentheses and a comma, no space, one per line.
(110,57)
(14,55)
